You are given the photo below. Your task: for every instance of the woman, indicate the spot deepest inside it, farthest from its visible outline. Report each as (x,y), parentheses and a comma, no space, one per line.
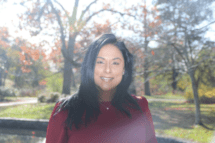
(103,97)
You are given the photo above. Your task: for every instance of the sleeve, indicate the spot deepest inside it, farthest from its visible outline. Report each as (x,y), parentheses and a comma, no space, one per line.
(56,131)
(150,131)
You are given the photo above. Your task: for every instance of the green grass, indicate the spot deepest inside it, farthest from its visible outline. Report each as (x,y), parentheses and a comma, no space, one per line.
(171,118)
(167,96)
(177,119)
(197,134)
(28,111)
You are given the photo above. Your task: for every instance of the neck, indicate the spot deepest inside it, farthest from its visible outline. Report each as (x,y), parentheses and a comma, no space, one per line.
(106,95)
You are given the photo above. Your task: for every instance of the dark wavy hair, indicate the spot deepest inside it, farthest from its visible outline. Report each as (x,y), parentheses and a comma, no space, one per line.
(86,99)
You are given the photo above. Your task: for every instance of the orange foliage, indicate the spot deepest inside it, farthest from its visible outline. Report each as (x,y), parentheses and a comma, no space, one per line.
(153,53)
(28,54)
(3,36)
(35,55)
(55,53)
(25,70)
(43,82)
(21,56)
(101,28)
(150,21)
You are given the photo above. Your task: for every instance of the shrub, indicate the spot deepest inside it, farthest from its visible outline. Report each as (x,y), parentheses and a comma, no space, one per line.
(54,97)
(206,94)
(8,92)
(55,83)
(184,82)
(189,93)
(207,100)
(29,92)
(42,98)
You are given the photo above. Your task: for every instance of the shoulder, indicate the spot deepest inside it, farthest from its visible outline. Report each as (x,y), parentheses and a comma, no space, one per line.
(64,103)
(56,125)
(142,101)
(140,98)
(58,111)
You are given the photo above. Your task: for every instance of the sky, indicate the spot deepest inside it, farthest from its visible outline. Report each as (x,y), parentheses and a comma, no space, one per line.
(8,13)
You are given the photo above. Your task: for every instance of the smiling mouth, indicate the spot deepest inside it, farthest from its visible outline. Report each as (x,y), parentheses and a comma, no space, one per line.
(106,79)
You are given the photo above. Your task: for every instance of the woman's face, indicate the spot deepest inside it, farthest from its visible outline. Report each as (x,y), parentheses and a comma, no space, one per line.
(109,67)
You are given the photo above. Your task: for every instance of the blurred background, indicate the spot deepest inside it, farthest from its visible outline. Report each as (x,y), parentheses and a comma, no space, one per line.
(43,43)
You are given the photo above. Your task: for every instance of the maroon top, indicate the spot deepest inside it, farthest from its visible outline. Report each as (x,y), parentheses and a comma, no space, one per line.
(111,127)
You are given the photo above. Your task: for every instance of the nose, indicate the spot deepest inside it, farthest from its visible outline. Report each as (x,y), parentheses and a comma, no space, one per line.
(107,68)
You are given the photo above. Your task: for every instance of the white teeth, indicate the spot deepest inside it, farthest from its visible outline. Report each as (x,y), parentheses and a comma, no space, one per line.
(106,79)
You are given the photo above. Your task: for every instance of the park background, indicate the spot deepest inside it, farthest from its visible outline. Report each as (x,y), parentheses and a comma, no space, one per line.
(43,43)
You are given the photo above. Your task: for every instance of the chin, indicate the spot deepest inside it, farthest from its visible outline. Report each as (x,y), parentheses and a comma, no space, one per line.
(108,89)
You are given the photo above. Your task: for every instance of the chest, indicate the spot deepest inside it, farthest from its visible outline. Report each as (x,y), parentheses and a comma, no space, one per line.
(111,128)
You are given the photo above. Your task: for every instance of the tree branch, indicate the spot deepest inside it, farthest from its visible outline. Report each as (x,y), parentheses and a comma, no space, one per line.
(95,13)
(41,12)
(205,26)
(179,52)
(73,17)
(191,51)
(61,7)
(87,8)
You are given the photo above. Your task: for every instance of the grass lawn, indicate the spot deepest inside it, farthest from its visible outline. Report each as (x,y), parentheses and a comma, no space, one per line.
(166,96)
(28,111)
(175,118)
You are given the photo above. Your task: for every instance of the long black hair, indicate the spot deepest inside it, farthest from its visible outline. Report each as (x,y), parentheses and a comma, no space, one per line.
(86,99)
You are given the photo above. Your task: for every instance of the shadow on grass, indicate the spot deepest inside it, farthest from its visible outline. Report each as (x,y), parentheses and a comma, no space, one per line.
(168,115)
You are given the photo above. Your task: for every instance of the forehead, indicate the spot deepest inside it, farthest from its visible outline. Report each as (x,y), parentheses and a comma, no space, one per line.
(110,50)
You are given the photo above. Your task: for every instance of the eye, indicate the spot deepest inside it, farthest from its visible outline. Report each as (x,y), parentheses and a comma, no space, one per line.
(99,62)
(115,63)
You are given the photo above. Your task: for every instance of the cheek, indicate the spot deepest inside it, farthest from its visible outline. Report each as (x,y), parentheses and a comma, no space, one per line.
(118,78)
(96,76)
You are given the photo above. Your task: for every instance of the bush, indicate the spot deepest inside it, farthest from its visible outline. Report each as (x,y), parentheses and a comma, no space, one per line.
(51,98)
(206,94)
(207,100)
(55,83)
(184,82)
(29,92)
(54,97)
(42,98)
(8,92)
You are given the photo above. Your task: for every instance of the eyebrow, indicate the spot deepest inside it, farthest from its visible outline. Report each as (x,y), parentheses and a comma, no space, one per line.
(113,58)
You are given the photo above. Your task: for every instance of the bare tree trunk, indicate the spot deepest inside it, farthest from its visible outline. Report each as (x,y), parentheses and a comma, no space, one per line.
(174,73)
(4,80)
(146,68)
(196,98)
(73,79)
(174,76)
(35,82)
(132,88)
(146,75)
(67,72)
(1,78)
(146,63)
(191,72)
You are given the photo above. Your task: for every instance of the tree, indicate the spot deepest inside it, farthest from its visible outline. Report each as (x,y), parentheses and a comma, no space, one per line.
(146,27)
(165,63)
(69,28)
(4,59)
(26,62)
(181,19)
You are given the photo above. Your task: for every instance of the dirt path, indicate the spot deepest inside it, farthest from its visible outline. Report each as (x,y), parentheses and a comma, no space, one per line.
(26,101)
